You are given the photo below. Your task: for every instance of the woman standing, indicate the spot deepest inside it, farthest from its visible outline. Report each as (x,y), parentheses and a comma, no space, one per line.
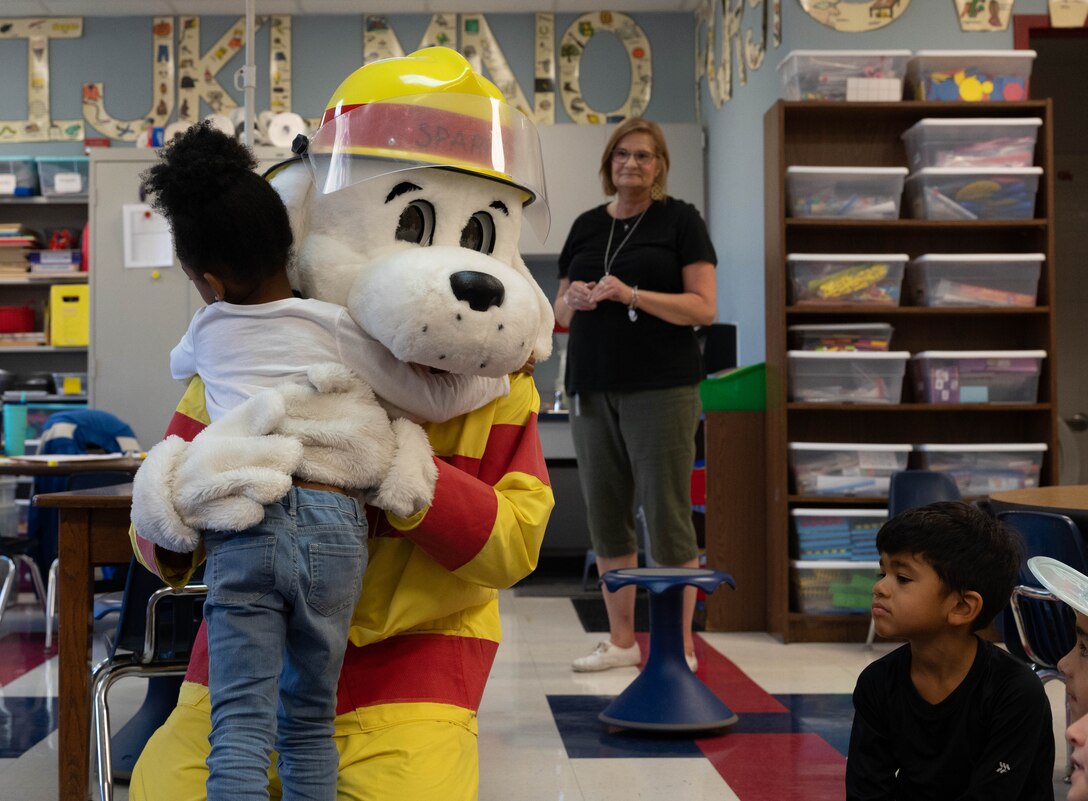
(636,275)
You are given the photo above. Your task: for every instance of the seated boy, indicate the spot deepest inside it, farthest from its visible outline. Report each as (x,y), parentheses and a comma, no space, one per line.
(948,715)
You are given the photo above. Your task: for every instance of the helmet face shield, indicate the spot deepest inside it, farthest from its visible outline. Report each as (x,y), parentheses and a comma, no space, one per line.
(469,133)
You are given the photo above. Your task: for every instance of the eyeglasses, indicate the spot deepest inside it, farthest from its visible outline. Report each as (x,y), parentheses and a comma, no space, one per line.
(642,157)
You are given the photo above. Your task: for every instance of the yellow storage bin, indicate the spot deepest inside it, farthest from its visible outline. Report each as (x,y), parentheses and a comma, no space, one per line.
(69,315)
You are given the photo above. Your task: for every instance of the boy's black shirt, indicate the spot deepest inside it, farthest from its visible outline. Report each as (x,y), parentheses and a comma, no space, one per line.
(991,739)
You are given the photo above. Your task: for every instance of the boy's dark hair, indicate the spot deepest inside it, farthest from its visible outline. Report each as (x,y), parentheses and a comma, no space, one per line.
(967,548)
(225,218)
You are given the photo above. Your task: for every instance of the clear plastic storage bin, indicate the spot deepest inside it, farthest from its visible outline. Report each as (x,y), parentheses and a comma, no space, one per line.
(970,75)
(974,279)
(977,376)
(838,533)
(856,193)
(840,377)
(843,74)
(985,143)
(845,468)
(832,587)
(64,175)
(841,336)
(18,176)
(983,469)
(959,193)
(846,278)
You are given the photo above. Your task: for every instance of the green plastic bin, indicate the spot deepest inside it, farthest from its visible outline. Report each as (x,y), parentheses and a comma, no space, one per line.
(740,390)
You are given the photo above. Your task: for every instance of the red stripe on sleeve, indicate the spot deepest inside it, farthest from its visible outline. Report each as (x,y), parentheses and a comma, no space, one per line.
(181,425)
(513,449)
(460,519)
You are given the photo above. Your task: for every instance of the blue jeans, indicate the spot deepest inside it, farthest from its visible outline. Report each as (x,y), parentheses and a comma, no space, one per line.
(280,599)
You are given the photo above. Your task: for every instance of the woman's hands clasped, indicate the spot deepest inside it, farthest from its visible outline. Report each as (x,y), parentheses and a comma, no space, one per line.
(585,295)
(611,288)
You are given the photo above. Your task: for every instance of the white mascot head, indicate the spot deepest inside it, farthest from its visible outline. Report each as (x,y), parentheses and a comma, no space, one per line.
(407,206)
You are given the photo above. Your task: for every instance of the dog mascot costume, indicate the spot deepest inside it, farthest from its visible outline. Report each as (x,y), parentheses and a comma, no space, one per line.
(406,207)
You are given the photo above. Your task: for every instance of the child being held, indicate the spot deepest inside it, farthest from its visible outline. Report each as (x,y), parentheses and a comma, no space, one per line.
(280,594)
(948,715)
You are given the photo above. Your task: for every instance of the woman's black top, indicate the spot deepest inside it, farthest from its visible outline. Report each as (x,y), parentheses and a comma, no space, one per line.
(606,350)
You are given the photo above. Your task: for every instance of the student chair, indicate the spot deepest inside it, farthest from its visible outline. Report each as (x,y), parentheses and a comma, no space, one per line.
(154,639)
(908,489)
(1038,628)
(15,553)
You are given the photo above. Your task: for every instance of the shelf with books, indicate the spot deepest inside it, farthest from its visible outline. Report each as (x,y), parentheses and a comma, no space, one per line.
(39,241)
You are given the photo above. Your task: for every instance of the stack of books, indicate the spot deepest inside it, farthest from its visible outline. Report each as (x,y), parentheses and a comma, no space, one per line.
(52,262)
(15,243)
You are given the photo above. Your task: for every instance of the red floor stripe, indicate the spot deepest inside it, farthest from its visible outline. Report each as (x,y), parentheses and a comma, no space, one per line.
(778,767)
(22,652)
(726,680)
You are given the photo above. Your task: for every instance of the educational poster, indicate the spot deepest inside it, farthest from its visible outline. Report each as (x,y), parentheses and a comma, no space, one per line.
(983,15)
(162,91)
(573,45)
(855,16)
(1068,13)
(39,125)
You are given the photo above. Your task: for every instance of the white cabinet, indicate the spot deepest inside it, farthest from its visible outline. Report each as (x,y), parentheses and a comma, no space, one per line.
(137,315)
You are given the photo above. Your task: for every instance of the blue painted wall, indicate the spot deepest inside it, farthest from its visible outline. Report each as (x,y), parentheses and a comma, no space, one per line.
(117,51)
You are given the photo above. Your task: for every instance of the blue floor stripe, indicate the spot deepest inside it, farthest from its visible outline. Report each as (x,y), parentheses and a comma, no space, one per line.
(25,722)
(829,716)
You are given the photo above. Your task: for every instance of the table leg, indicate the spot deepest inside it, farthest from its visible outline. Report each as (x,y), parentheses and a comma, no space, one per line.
(74,639)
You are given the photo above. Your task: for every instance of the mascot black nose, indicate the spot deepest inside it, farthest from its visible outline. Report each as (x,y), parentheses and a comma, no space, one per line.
(480,290)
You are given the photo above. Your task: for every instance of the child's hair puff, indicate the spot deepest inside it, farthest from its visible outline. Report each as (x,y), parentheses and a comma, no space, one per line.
(225,218)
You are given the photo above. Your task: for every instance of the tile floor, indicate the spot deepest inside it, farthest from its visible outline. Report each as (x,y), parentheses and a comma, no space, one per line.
(539,731)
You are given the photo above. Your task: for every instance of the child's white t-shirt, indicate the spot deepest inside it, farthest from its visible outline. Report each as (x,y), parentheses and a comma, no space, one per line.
(240,351)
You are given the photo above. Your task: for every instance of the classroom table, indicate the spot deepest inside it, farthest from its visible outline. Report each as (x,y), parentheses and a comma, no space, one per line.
(59,465)
(1070,500)
(93,530)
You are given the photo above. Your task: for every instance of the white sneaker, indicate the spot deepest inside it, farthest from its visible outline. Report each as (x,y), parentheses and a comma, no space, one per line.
(607,656)
(693,661)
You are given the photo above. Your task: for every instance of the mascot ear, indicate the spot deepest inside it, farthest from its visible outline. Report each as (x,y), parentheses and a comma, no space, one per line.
(294,185)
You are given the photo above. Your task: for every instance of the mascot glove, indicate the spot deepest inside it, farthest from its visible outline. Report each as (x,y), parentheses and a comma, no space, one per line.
(347,438)
(219,481)
(409,486)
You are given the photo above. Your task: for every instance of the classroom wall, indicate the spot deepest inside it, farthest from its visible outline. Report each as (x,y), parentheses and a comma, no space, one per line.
(117,51)
(325,50)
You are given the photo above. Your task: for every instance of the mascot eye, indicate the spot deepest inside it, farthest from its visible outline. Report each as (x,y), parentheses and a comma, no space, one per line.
(479,233)
(416,223)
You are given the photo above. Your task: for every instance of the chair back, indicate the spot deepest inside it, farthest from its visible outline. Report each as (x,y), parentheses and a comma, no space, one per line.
(908,489)
(176,618)
(1047,626)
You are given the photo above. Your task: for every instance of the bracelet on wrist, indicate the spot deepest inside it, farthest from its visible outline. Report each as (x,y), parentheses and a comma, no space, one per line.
(632,315)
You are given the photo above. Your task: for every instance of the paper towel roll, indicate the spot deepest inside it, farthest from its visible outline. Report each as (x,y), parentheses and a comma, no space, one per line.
(284,127)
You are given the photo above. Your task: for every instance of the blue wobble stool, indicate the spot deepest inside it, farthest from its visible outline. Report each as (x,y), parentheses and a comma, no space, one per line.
(667,696)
